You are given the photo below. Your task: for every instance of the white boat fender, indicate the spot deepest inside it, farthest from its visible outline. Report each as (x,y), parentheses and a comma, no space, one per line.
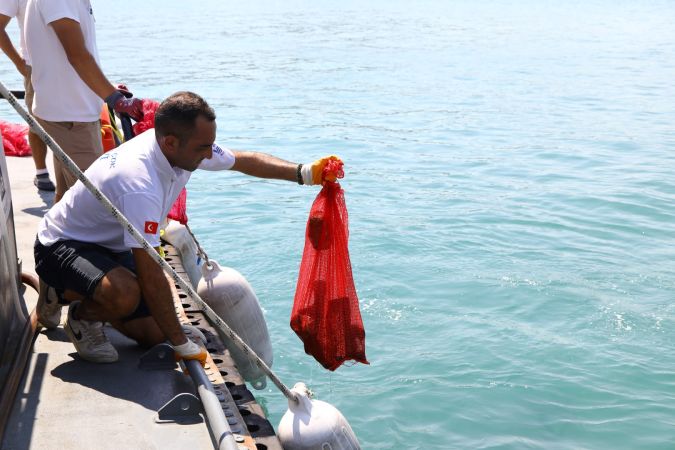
(231,297)
(312,424)
(178,236)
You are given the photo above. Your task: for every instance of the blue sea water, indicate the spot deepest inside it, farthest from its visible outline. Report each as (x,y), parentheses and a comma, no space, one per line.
(510,184)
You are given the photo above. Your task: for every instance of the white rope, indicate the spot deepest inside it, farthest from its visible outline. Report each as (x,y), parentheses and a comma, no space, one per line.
(117,214)
(200,250)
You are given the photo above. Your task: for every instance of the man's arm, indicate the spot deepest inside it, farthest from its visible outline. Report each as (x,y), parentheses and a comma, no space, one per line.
(70,35)
(8,48)
(158,296)
(262,165)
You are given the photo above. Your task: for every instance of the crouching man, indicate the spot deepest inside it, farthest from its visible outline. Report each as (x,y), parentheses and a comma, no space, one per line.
(86,258)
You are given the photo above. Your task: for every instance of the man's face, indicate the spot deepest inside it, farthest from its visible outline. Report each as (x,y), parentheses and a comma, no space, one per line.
(198,146)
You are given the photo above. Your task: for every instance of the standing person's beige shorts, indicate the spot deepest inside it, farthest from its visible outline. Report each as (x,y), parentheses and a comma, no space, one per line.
(82,143)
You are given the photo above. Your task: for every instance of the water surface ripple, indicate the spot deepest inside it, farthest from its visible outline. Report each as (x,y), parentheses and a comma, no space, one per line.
(510,188)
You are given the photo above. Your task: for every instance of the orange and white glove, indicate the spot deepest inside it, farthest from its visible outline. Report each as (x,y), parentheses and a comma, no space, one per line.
(191,350)
(328,168)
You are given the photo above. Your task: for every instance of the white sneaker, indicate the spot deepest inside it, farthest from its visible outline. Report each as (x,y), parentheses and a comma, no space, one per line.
(89,339)
(48,308)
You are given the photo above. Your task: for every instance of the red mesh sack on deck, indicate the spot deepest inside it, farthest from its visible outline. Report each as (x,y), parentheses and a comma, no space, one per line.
(326,313)
(14,139)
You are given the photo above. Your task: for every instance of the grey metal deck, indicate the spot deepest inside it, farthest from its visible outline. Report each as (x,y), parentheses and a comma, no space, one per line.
(64,402)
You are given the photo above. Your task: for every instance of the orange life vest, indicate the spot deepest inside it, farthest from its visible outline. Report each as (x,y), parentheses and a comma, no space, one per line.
(107,130)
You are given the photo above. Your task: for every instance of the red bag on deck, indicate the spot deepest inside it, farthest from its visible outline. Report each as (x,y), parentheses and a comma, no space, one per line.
(326,313)
(14,139)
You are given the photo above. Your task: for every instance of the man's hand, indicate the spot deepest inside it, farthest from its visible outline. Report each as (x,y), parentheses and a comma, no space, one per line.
(124,90)
(130,106)
(191,350)
(328,168)
(22,67)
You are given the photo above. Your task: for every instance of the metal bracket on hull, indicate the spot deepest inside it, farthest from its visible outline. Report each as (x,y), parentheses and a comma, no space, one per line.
(159,357)
(183,408)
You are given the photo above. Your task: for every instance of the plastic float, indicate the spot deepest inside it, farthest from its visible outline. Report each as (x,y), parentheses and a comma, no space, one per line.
(232,298)
(312,424)
(178,236)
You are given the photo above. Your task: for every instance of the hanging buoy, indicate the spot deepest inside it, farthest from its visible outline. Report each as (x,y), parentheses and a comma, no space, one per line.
(231,297)
(313,424)
(178,236)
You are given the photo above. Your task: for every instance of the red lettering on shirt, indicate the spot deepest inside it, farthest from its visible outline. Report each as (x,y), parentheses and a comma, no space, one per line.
(151,227)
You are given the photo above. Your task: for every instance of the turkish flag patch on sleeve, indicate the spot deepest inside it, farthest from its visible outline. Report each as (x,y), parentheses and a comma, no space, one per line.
(151,227)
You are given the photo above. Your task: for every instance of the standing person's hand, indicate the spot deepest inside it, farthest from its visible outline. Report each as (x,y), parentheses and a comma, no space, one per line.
(118,101)
(124,90)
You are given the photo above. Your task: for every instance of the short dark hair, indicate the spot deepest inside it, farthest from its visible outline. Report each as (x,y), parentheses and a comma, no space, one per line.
(176,115)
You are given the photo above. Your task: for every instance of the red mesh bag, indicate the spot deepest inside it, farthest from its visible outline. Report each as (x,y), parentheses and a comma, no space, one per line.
(14,139)
(179,209)
(148,120)
(326,313)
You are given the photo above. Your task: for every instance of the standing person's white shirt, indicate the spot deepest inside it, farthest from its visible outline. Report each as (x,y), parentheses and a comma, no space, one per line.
(70,86)
(21,59)
(17,8)
(60,93)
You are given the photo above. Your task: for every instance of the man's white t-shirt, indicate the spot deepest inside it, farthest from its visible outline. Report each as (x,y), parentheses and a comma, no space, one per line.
(60,93)
(138,179)
(17,8)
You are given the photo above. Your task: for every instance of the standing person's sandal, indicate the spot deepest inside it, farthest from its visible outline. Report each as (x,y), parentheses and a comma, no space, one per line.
(48,308)
(89,339)
(43,183)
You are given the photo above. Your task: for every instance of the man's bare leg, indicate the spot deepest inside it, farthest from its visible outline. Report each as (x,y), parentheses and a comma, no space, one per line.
(116,296)
(144,330)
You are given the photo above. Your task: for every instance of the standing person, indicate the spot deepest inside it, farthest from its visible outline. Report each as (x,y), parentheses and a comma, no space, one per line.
(69,83)
(87,257)
(17,8)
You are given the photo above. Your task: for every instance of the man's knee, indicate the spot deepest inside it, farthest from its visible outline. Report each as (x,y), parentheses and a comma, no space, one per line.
(125,304)
(119,292)
(126,301)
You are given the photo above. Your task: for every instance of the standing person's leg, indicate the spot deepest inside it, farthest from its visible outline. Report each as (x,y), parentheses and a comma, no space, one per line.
(38,148)
(82,143)
(85,147)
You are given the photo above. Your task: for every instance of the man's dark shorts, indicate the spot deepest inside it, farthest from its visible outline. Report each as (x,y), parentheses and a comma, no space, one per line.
(80,266)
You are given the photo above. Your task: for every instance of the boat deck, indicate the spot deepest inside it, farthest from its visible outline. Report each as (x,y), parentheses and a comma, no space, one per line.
(65,402)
